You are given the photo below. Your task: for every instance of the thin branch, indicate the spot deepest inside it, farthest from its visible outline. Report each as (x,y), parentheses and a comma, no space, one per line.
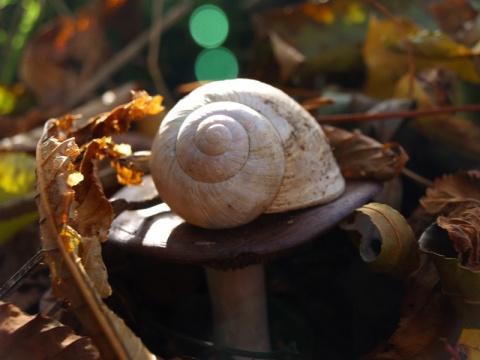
(19,277)
(153,51)
(331,119)
(417,178)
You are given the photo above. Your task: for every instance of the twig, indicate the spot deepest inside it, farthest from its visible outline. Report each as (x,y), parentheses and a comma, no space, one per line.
(152,57)
(330,119)
(417,178)
(127,53)
(19,277)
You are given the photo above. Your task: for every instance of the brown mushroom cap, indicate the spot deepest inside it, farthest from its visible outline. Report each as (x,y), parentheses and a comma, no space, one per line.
(158,232)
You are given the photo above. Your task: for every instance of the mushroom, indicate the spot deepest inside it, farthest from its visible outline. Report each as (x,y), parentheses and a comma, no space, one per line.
(233,258)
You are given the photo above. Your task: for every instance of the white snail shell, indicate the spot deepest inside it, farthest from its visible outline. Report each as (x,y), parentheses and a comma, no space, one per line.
(232,150)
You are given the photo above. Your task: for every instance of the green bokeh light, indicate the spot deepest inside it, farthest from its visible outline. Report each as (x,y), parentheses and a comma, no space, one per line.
(209,26)
(216,64)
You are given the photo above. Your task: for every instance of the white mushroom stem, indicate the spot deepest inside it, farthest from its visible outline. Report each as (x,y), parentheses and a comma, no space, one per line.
(239,308)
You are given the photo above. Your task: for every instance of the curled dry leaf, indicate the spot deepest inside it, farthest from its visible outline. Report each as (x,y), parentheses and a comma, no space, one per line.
(456,198)
(361,157)
(75,217)
(63,210)
(117,121)
(459,283)
(463,227)
(33,337)
(397,253)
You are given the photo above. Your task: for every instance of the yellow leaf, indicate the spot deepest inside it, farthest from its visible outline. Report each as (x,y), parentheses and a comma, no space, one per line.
(17,176)
(469,343)
(386,56)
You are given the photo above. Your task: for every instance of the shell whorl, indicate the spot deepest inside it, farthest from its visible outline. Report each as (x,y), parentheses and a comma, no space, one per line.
(234,149)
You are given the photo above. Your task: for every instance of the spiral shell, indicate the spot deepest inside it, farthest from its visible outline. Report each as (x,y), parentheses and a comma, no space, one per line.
(235,149)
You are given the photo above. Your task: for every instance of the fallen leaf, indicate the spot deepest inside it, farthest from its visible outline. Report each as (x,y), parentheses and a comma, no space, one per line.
(459,283)
(425,317)
(454,17)
(384,48)
(75,217)
(286,55)
(387,242)
(117,121)
(320,37)
(463,227)
(361,157)
(451,189)
(33,337)
(434,88)
(469,343)
(58,58)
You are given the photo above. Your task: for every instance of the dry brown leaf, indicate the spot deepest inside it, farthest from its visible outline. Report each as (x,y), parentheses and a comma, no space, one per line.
(454,16)
(75,217)
(287,56)
(310,38)
(425,317)
(59,58)
(451,189)
(34,337)
(361,157)
(457,199)
(463,227)
(118,120)
(459,283)
(73,211)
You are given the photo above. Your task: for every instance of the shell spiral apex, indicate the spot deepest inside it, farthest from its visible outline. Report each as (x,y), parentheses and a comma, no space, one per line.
(234,149)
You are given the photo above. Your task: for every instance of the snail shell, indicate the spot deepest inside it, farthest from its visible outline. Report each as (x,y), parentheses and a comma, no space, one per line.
(232,150)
